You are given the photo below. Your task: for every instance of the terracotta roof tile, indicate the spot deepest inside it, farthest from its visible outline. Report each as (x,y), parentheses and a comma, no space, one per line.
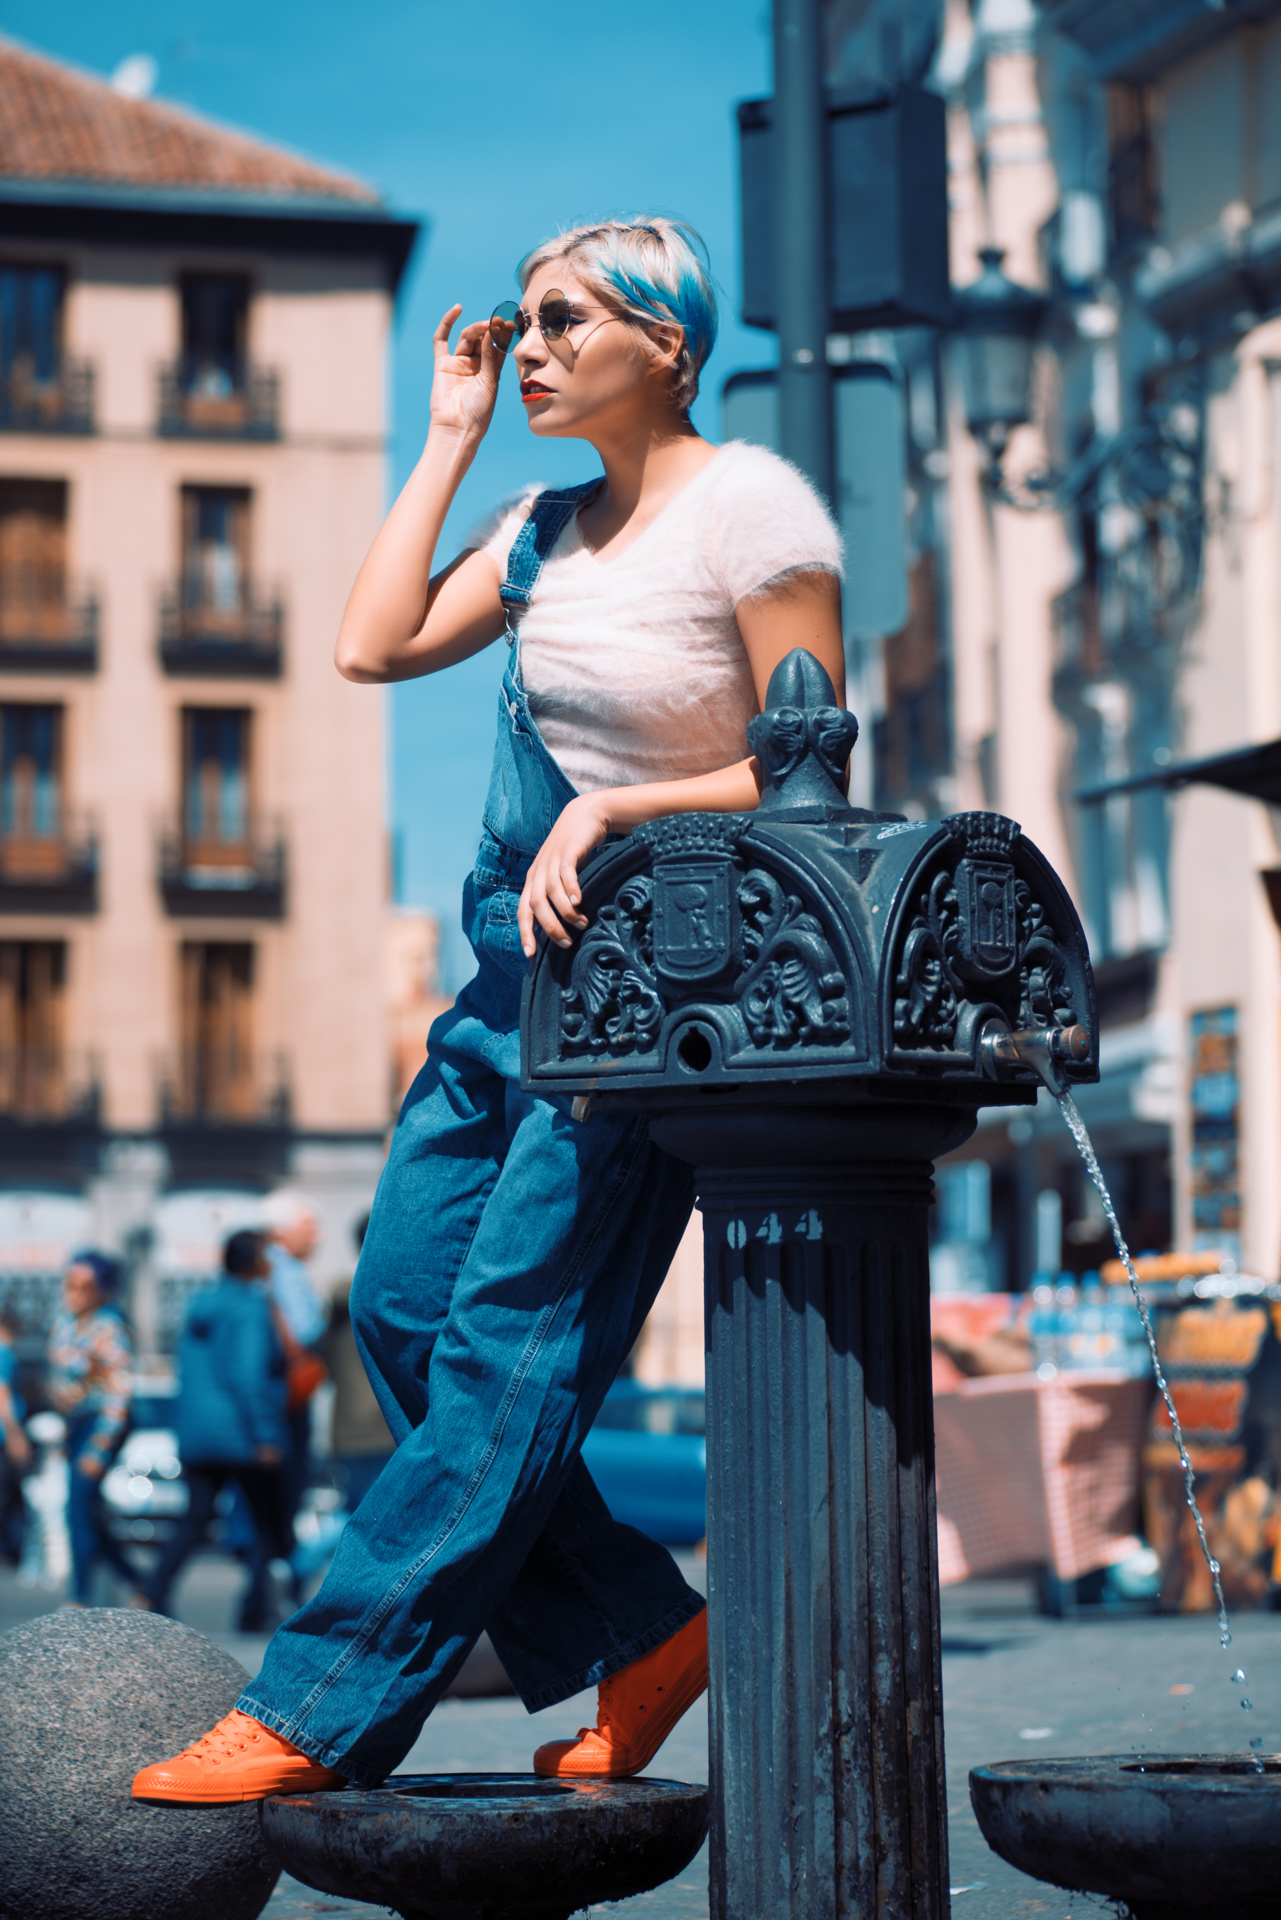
(57,123)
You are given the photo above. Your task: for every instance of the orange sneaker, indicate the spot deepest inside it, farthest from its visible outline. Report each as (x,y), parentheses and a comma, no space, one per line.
(239,1759)
(636,1710)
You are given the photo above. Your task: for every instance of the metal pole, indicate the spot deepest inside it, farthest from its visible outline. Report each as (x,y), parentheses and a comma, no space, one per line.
(800,240)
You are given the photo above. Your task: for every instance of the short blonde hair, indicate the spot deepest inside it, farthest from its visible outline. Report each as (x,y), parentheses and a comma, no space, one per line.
(652,273)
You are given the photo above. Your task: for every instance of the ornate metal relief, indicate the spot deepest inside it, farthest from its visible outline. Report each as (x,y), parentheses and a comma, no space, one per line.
(704,928)
(977,934)
(810,941)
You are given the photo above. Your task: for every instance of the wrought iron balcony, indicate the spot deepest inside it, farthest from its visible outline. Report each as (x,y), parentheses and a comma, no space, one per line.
(224,1114)
(227,400)
(46,1082)
(201,638)
(230,878)
(47,632)
(54,872)
(223,1083)
(1124,620)
(63,404)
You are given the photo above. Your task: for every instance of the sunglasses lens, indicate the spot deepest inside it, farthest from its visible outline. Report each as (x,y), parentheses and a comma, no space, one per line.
(505,325)
(553,315)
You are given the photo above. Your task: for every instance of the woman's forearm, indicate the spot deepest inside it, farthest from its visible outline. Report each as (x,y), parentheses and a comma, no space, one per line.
(552,893)
(735,789)
(389,601)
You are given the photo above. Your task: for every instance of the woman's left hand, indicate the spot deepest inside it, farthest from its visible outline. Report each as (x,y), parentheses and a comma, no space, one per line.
(552,892)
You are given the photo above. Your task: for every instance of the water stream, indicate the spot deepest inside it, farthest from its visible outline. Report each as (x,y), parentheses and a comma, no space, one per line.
(1081,1136)
(1086,1145)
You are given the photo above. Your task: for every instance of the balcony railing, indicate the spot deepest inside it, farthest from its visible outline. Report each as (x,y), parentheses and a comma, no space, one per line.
(54,872)
(200,636)
(62,404)
(1078,642)
(45,1082)
(46,627)
(1122,621)
(237,878)
(230,400)
(223,1083)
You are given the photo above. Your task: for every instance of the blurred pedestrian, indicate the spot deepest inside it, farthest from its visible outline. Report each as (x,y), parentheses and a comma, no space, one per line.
(15,1458)
(231,1423)
(362,1442)
(91,1386)
(293,1234)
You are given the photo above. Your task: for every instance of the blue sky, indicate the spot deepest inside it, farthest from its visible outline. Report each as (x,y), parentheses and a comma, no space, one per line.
(497,123)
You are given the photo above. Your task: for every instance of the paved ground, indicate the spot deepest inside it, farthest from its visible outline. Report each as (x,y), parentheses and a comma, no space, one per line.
(1015,1684)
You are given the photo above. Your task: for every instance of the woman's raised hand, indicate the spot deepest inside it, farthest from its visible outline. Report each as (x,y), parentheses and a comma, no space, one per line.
(465,383)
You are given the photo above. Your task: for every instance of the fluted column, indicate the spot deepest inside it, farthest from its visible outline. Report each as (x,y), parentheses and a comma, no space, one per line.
(828,1789)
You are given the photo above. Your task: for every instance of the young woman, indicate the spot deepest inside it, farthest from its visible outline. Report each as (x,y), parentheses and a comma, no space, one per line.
(91,1385)
(513,1255)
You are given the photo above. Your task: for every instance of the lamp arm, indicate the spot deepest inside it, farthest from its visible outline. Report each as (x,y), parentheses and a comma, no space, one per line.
(1048,490)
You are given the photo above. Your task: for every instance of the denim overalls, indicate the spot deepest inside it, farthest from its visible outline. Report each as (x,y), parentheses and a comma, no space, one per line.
(511,1259)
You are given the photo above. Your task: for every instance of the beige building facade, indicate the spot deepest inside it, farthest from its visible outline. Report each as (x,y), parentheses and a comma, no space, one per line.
(194,333)
(1127,159)
(1093,590)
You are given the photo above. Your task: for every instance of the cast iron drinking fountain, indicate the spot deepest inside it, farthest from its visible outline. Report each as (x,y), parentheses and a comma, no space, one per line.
(810,1003)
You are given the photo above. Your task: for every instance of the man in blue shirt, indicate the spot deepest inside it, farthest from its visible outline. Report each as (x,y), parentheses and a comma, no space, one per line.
(231,1424)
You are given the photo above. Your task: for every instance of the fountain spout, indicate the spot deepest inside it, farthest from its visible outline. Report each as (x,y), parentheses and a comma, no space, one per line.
(1047,1050)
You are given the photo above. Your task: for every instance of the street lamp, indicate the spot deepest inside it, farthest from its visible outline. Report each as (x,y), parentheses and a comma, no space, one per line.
(1152,467)
(996,328)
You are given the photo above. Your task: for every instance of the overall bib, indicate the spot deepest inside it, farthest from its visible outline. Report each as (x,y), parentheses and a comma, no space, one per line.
(511,1259)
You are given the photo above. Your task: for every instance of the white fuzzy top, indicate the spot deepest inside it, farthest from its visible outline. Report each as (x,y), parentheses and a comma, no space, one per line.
(634,667)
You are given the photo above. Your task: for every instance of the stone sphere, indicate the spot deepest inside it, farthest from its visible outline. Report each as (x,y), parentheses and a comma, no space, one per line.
(86,1699)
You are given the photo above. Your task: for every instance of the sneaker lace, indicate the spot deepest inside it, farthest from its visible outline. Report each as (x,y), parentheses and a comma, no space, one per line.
(231,1735)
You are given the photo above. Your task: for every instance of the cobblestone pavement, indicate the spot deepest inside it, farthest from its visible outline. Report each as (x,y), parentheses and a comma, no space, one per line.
(1015,1685)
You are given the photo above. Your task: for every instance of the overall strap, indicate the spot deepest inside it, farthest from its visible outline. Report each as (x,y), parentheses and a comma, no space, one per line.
(547,519)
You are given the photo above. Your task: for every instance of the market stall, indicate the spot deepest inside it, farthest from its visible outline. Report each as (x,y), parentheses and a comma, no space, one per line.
(1040,1472)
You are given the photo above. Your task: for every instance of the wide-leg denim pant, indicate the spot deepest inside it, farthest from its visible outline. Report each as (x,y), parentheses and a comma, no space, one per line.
(511,1259)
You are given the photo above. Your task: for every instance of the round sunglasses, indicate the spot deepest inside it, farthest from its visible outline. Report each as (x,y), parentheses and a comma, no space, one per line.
(556,315)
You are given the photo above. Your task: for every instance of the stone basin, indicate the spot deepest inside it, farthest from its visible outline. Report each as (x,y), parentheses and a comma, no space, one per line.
(482,1846)
(1174,1835)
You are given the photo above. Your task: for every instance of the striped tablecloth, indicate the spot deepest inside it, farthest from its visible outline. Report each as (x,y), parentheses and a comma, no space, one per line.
(1038,1472)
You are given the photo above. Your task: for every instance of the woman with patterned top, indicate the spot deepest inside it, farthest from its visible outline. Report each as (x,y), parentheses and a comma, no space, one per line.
(91,1385)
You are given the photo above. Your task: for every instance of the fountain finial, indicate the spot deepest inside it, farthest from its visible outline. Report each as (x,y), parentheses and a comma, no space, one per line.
(802,739)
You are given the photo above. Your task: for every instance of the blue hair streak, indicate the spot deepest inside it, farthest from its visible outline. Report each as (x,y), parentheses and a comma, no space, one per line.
(654,272)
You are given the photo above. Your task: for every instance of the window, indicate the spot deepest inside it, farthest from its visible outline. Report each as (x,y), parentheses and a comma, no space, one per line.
(215,315)
(33,560)
(212,391)
(215,539)
(32,1066)
(215,619)
(216,785)
(41,390)
(31,325)
(913,744)
(217,1064)
(1134,196)
(31,809)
